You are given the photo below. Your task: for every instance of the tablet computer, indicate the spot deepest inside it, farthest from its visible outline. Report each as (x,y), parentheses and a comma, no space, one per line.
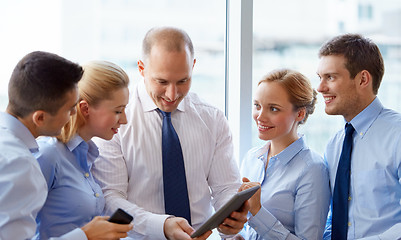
(232,205)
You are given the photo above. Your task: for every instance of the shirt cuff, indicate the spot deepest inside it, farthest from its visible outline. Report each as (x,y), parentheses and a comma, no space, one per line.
(265,223)
(155,226)
(262,222)
(76,234)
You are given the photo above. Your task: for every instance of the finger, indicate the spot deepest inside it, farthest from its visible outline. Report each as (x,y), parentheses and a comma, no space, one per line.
(225,229)
(204,236)
(245,207)
(244,179)
(123,227)
(102,217)
(184,225)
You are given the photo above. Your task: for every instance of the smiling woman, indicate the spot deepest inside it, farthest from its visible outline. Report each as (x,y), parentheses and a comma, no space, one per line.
(103,92)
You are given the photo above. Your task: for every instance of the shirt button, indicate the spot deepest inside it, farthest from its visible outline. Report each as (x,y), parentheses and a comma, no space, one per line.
(349,224)
(349,198)
(96,194)
(267,174)
(361,133)
(86,175)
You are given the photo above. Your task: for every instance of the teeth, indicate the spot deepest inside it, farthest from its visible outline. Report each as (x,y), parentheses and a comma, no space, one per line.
(168,100)
(328,98)
(263,127)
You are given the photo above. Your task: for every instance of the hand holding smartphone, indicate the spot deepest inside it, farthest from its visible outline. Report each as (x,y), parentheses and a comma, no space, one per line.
(121,217)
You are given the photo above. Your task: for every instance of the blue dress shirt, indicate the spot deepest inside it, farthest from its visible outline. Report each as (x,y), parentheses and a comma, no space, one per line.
(295,193)
(74,197)
(22,186)
(375,183)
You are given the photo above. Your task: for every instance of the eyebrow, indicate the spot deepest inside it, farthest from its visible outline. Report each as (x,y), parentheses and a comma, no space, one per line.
(121,106)
(162,79)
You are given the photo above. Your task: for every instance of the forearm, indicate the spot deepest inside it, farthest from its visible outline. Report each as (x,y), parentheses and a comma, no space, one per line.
(145,223)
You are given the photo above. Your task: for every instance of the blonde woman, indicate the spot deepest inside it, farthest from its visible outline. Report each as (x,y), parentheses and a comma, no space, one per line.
(75,200)
(294,197)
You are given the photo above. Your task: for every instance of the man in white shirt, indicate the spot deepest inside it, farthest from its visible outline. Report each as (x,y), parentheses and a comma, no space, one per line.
(130,165)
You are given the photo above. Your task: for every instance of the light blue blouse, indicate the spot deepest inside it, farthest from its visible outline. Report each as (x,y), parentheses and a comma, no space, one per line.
(295,193)
(74,197)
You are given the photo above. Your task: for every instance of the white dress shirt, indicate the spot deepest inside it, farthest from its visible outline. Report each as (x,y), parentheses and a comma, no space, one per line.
(129,168)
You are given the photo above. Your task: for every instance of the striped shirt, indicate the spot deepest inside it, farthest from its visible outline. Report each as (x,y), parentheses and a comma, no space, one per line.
(129,168)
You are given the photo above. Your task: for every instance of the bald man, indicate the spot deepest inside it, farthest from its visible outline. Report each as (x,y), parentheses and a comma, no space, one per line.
(130,169)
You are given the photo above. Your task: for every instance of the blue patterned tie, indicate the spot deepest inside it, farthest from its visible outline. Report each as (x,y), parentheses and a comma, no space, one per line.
(176,201)
(341,188)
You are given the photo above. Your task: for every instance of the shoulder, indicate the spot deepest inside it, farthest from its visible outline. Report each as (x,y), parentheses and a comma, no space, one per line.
(202,108)
(389,119)
(253,154)
(312,160)
(12,147)
(49,150)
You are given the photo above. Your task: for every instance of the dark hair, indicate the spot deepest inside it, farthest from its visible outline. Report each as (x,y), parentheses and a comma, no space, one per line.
(40,81)
(360,54)
(298,87)
(172,39)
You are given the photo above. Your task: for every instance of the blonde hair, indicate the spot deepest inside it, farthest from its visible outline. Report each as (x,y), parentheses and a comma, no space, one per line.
(298,87)
(99,80)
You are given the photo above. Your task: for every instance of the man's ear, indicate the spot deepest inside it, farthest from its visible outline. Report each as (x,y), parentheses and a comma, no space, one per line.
(84,108)
(39,117)
(141,68)
(365,79)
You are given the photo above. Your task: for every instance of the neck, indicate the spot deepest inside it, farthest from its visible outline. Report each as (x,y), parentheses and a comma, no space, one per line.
(84,133)
(278,145)
(28,123)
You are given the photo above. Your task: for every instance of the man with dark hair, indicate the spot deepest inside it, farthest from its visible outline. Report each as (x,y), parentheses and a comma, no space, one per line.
(364,159)
(173,162)
(42,96)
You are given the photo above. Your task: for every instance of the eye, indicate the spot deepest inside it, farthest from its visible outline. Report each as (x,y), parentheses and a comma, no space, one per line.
(274,109)
(256,105)
(162,82)
(183,81)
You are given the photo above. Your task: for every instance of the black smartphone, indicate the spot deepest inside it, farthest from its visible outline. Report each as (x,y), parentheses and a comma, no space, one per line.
(121,217)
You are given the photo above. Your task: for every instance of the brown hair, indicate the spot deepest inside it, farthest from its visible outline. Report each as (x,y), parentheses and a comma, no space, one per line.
(298,87)
(172,39)
(40,81)
(360,54)
(100,79)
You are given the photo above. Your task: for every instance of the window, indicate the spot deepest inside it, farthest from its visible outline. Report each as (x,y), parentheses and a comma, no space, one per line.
(289,37)
(113,30)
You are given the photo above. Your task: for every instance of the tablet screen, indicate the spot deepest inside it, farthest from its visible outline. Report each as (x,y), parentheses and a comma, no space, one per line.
(232,205)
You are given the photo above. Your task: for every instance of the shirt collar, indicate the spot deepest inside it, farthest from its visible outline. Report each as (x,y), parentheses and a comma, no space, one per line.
(365,119)
(147,102)
(287,154)
(89,147)
(19,130)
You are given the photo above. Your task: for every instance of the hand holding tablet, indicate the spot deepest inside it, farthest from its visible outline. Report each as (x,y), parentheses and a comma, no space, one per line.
(232,205)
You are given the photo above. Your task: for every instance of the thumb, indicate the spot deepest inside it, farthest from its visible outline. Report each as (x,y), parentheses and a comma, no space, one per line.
(184,225)
(244,179)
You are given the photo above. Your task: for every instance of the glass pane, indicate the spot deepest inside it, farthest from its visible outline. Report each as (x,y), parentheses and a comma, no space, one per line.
(113,31)
(291,37)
